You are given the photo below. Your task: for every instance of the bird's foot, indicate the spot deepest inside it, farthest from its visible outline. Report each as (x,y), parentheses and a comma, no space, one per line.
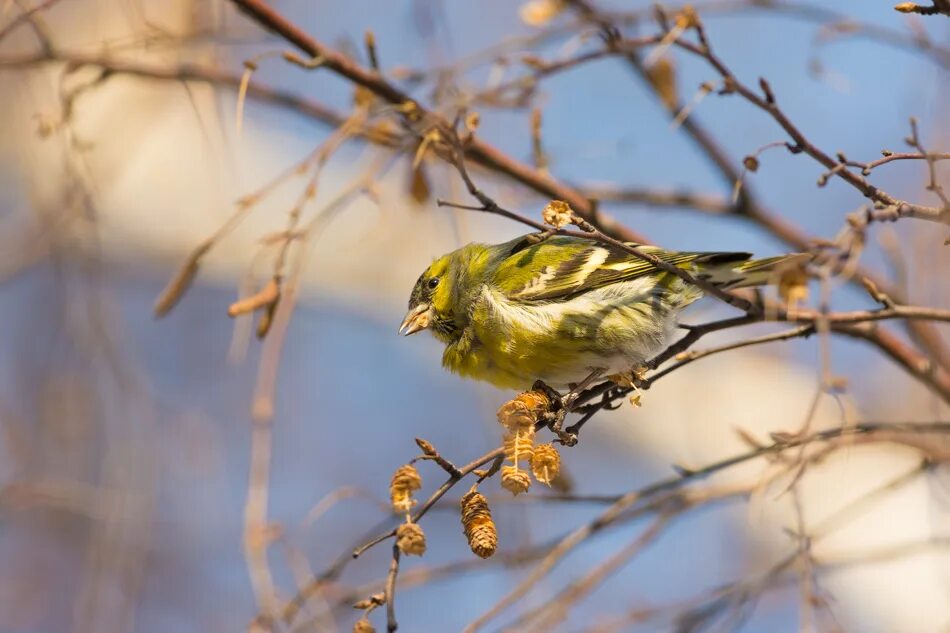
(560,405)
(552,394)
(564,436)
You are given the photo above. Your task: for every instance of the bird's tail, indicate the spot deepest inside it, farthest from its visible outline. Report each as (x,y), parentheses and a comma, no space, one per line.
(736,270)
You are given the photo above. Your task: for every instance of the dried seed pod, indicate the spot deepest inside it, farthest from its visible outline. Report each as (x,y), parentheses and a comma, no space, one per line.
(181,282)
(266,320)
(264,297)
(410,539)
(405,481)
(515,480)
(519,446)
(751,163)
(363,625)
(557,213)
(545,463)
(523,411)
(419,189)
(478,524)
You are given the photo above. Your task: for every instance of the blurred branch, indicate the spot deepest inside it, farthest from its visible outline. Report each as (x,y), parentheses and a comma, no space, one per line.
(386,115)
(747,205)
(707,203)
(553,612)
(650,498)
(27,16)
(185,72)
(858,324)
(479,151)
(894,432)
(588,231)
(834,25)
(767,103)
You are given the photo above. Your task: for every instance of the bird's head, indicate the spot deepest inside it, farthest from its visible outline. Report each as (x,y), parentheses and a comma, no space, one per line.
(431,301)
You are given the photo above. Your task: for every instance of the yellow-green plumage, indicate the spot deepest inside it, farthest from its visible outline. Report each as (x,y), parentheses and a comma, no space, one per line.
(558,309)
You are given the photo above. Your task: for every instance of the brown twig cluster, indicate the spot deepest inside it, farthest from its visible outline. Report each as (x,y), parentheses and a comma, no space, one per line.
(523,416)
(389,117)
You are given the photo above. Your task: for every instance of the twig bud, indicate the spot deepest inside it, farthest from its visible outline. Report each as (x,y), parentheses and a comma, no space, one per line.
(687,18)
(766,90)
(426,447)
(375,600)
(363,625)
(369,40)
(472,119)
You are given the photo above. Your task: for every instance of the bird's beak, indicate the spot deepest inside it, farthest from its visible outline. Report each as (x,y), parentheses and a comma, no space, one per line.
(417,319)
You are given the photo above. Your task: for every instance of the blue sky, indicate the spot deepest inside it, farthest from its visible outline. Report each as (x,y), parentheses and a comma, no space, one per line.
(352,395)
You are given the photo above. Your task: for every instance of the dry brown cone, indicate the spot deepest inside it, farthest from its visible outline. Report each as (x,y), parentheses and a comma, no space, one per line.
(410,539)
(558,214)
(405,481)
(363,625)
(524,410)
(519,416)
(545,463)
(515,480)
(519,445)
(478,525)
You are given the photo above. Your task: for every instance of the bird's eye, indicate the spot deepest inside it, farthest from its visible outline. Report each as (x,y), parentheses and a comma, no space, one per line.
(433,283)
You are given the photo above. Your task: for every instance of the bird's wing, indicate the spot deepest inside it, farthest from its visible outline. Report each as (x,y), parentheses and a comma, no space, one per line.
(560,268)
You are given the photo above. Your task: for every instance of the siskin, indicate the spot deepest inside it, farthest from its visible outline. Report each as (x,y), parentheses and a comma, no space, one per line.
(561,309)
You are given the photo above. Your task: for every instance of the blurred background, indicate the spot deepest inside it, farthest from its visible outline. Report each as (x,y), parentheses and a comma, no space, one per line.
(128,443)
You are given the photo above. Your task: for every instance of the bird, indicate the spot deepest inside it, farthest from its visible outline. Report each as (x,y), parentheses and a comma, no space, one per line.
(563,309)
